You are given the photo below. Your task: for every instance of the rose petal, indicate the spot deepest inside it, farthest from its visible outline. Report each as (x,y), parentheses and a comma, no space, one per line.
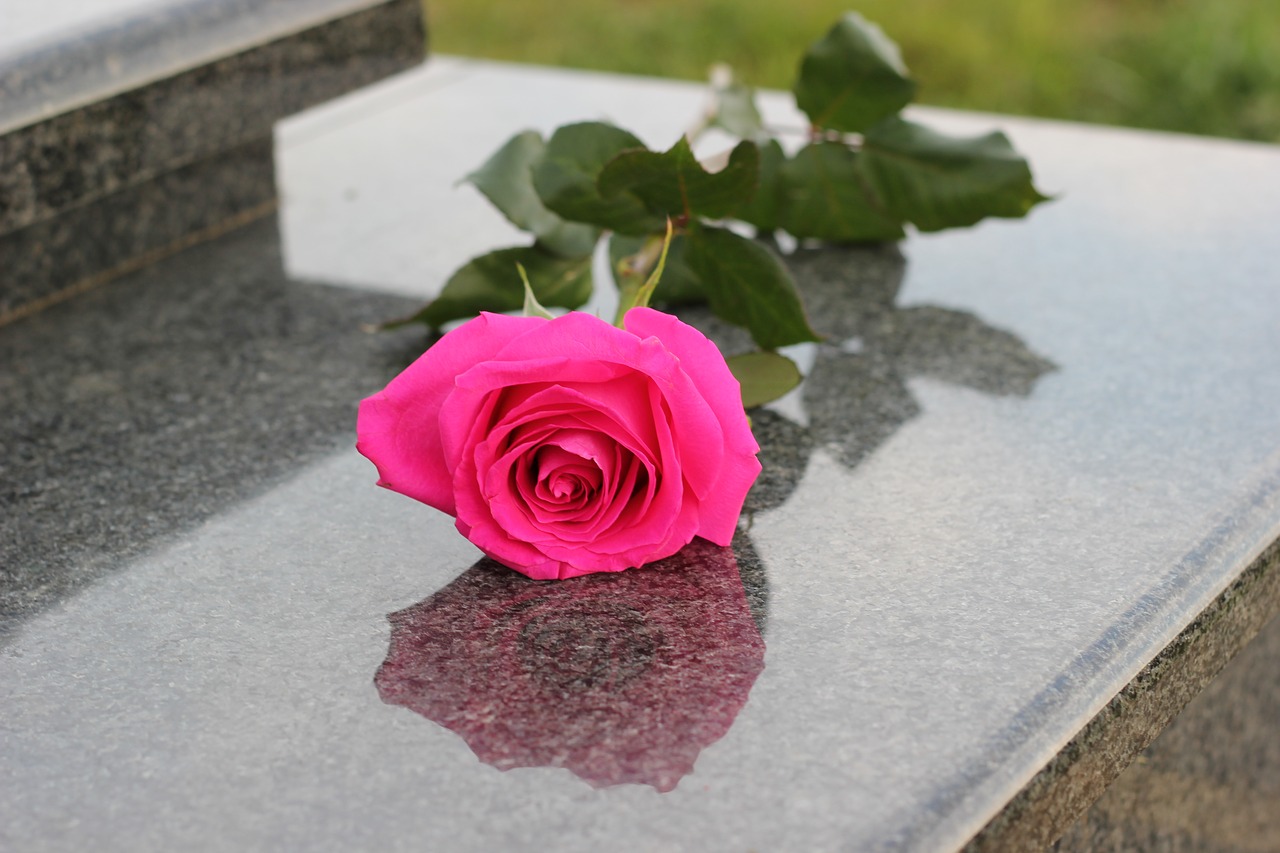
(706,367)
(588,345)
(399,429)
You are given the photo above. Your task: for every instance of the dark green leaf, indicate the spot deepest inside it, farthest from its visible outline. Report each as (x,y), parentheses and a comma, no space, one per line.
(492,283)
(565,178)
(678,286)
(937,181)
(673,183)
(853,77)
(764,376)
(506,179)
(765,206)
(825,197)
(747,285)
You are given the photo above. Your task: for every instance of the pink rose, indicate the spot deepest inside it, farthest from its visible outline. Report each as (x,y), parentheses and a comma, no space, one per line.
(569,446)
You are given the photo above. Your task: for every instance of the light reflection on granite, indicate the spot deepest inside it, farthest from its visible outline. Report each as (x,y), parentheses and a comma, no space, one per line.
(619,677)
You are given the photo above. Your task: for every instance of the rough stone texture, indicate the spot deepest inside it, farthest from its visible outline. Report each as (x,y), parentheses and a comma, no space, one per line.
(56,257)
(1211,781)
(102,185)
(82,155)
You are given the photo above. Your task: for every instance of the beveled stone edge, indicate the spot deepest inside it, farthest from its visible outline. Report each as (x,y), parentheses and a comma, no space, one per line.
(193,238)
(97,126)
(1065,788)
(79,51)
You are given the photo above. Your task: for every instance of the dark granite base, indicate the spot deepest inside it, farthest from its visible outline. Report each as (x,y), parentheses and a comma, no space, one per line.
(1078,775)
(67,254)
(1211,781)
(81,155)
(140,409)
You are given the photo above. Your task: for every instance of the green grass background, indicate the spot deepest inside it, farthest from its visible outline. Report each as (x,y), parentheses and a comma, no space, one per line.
(1198,66)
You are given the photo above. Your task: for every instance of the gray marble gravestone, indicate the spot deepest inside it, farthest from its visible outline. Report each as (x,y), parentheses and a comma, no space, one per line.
(1036,464)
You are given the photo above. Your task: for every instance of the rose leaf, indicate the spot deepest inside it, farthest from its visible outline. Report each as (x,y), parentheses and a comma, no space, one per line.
(765,206)
(746,284)
(852,77)
(506,179)
(491,282)
(824,196)
(565,179)
(673,183)
(764,376)
(937,181)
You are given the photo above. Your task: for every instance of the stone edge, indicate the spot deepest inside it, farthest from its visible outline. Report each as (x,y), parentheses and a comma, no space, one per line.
(1065,788)
(143,118)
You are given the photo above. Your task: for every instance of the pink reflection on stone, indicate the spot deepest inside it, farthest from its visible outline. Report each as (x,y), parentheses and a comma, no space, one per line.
(621,677)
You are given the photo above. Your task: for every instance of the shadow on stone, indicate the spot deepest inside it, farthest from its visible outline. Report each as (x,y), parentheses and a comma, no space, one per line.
(855,394)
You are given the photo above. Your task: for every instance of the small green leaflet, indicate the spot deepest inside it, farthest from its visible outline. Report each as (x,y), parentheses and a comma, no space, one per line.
(733,105)
(764,376)
(492,283)
(746,284)
(673,183)
(765,208)
(565,179)
(937,181)
(506,179)
(852,77)
(825,197)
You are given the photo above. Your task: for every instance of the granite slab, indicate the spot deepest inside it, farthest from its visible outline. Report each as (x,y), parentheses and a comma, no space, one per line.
(115,100)
(1035,463)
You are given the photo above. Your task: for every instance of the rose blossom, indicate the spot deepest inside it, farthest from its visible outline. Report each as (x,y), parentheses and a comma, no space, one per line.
(569,446)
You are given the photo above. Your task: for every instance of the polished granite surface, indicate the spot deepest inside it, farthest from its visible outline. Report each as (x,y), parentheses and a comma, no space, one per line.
(1028,456)
(57,55)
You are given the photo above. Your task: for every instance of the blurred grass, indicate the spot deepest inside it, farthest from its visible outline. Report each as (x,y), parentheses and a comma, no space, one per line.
(1197,66)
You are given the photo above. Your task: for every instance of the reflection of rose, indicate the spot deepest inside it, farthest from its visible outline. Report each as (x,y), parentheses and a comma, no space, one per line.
(619,677)
(569,446)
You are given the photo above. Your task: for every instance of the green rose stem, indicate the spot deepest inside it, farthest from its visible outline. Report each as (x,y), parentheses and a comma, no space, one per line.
(632,294)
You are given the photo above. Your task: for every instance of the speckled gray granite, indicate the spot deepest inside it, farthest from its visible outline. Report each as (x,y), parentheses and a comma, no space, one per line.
(59,55)
(85,244)
(1211,781)
(137,410)
(1034,468)
(77,156)
(94,152)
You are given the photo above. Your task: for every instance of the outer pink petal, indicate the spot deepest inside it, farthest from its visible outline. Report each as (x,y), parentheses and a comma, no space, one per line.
(399,428)
(587,344)
(704,364)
